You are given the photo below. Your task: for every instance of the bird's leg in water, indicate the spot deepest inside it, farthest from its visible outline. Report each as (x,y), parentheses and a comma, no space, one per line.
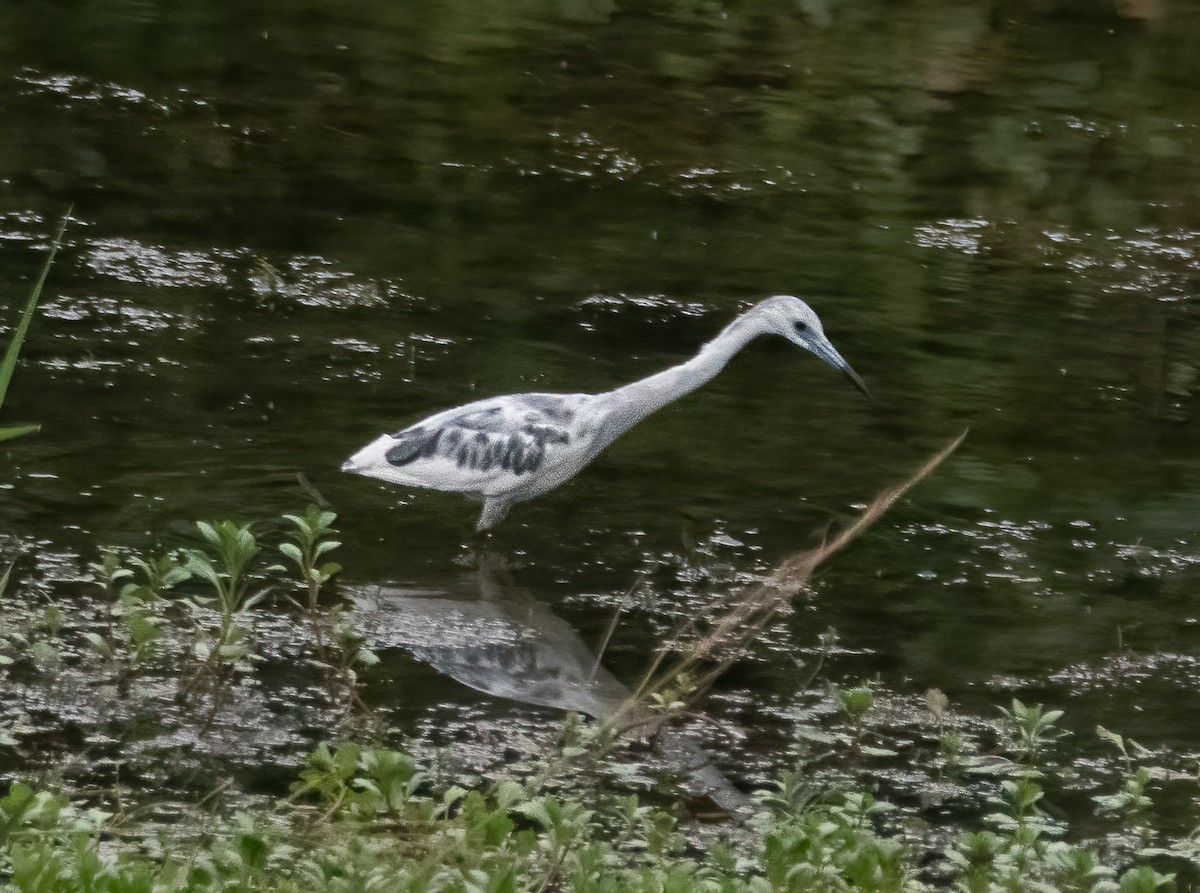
(495,572)
(493,513)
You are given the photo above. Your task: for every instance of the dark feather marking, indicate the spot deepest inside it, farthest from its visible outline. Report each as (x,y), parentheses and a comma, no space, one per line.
(521,452)
(509,458)
(413,444)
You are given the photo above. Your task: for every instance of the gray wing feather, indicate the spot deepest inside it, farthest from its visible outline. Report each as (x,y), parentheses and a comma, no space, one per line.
(512,435)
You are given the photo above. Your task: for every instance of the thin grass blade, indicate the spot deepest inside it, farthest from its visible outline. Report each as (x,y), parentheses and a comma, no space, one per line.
(9,363)
(10,431)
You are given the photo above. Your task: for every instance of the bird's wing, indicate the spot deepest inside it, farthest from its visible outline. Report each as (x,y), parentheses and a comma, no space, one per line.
(514,435)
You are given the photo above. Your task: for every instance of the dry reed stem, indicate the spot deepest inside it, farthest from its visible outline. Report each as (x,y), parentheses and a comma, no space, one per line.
(730,637)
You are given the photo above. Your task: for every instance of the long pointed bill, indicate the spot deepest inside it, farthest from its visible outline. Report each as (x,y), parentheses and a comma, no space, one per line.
(829,354)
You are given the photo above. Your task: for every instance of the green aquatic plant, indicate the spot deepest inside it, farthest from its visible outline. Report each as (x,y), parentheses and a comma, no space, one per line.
(1031,729)
(8,364)
(856,705)
(367,784)
(1132,801)
(110,575)
(310,539)
(340,648)
(374,819)
(955,750)
(225,565)
(29,633)
(158,576)
(134,606)
(391,776)
(347,654)
(832,845)
(328,774)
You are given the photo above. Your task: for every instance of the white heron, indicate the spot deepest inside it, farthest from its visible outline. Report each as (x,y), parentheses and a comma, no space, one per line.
(509,449)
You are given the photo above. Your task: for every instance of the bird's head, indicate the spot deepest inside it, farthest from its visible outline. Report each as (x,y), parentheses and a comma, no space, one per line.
(794,320)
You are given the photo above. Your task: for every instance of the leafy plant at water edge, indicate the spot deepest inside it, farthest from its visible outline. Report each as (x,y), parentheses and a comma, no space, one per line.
(1031,730)
(339,647)
(133,609)
(8,364)
(378,826)
(382,820)
(226,566)
(27,632)
(855,704)
(312,538)
(1132,802)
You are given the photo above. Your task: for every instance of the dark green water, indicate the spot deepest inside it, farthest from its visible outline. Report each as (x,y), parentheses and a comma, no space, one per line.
(301,225)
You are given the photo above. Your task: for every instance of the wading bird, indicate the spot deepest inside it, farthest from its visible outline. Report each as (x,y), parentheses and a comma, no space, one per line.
(505,450)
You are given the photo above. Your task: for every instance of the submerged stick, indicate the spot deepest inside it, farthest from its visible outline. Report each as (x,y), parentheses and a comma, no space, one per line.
(730,637)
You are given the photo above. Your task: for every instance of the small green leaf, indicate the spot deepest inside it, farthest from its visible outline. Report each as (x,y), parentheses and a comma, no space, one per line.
(199,564)
(99,644)
(509,793)
(292,551)
(44,653)
(325,546)
(209,532)
(253,600)
(453,794)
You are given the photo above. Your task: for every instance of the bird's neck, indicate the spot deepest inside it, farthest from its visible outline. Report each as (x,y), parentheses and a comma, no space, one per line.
(633,402)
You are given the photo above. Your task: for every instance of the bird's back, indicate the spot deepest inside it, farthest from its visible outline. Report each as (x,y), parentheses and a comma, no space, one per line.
(487,448)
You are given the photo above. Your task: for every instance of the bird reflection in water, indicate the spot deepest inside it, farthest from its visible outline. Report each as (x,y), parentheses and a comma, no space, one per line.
(495,637)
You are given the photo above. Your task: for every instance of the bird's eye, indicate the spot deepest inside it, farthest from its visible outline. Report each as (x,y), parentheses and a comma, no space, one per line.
(801,327)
